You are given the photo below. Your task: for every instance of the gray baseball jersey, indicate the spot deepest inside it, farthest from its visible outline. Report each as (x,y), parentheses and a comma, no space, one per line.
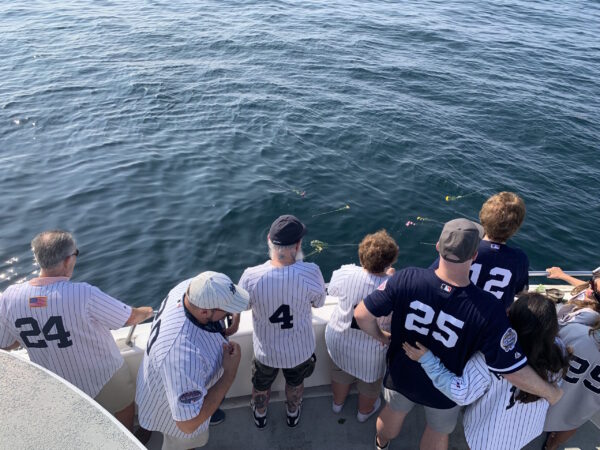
(351,349)
(182,361)
(581,399)
(65,327)
(281,299)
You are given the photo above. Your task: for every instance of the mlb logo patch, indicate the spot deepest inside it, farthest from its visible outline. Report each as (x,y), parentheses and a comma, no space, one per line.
(382,286)
(38,302)
(445,287)
(495,246)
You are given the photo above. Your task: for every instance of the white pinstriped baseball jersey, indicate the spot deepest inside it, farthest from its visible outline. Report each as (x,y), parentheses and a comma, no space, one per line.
(351,349)
(281,299)
(65,328)
(581,399)
(182,361)
(493,420)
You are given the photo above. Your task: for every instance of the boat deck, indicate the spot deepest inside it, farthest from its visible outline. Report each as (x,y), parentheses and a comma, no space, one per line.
(320,428)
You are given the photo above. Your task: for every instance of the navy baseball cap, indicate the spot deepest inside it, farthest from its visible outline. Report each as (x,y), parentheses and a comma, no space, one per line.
(459,240)
(286,230)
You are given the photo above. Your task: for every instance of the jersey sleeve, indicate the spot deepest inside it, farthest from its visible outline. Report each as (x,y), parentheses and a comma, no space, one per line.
(7,338)
(184,386)
(317,290)
(500,345)
(106,310)
(244,284)
(333,288)
(380,302)
(464,389)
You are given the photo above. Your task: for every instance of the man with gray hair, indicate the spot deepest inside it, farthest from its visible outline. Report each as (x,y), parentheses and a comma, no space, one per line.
(65,326)
(282,292)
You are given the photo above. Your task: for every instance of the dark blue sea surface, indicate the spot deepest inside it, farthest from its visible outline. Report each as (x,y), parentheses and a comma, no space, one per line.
(168,135)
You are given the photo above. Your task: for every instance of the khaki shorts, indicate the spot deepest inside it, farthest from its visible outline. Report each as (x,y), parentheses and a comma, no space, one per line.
(118,392)
(371,390)
(173,443)
(441,420)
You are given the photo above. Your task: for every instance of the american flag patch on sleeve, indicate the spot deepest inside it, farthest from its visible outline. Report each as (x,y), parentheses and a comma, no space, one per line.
(38,302)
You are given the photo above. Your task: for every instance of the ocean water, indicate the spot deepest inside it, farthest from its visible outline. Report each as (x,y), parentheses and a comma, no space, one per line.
(168,135)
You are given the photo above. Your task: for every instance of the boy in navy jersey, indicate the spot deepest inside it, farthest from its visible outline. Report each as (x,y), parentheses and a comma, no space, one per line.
(444,309)
(499,269)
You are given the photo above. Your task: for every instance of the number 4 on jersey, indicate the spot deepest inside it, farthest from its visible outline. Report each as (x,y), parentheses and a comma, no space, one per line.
(282,315)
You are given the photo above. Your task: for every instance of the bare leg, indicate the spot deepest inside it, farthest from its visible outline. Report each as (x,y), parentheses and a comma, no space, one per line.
(389,424)
(433,440)
(260,400)
(340,392)
(125,416)
(293,396)
(558,437)
(365,404)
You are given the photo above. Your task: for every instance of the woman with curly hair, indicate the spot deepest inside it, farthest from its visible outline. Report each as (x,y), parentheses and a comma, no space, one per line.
(357,357)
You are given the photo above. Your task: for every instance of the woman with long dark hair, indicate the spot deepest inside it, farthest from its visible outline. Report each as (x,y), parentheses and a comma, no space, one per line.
(498,415)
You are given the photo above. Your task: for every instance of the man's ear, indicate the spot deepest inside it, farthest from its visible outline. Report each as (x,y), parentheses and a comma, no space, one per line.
(437,246)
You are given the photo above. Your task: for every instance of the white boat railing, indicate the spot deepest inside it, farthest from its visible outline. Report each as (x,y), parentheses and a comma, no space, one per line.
(532,273)
(573,273)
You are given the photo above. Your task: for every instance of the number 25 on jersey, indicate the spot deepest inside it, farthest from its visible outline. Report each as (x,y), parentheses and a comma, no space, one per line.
(424,315)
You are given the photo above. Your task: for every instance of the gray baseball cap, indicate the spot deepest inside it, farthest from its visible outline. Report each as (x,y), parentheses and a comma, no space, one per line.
(213,290)
(459,240)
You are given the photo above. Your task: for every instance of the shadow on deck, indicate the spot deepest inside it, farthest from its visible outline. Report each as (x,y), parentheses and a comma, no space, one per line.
(320,428)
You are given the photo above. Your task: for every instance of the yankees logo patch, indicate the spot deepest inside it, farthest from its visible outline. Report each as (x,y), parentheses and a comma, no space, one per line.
(495,246)
(508,340)
(190,397)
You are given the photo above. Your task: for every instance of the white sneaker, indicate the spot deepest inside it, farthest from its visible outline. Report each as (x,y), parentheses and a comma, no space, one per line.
(364,417)
(336,408)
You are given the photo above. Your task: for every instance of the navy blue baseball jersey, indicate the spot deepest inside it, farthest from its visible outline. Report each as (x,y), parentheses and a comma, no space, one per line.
(499,269)
(453,322)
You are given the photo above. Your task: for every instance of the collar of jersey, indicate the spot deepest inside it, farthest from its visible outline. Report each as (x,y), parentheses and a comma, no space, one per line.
(211,327)
(43,281)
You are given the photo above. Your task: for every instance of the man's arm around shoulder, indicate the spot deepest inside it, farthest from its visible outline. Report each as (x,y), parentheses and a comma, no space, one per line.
(368,323)
(526,379)
(216,394)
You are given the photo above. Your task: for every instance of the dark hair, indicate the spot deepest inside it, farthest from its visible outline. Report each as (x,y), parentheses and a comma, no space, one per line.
(533,316)
(502,215)
(377,251)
